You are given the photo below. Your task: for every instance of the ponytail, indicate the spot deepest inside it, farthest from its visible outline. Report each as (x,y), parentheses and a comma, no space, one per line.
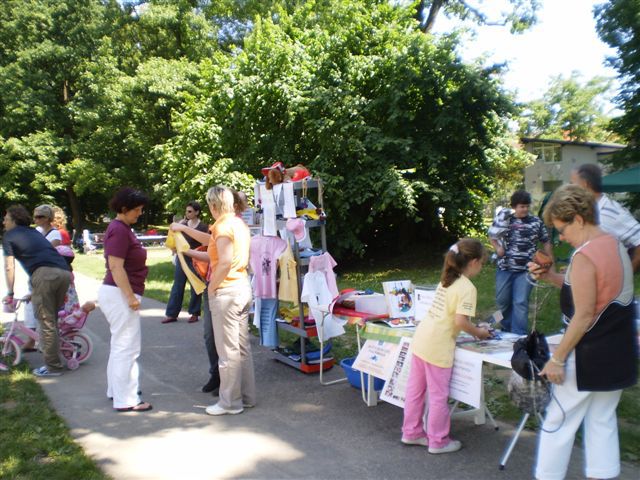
(458,257)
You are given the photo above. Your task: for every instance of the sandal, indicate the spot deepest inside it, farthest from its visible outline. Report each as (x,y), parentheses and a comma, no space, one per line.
(141,407)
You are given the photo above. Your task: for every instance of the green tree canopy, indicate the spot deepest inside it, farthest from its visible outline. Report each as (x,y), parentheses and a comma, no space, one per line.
(406,137)
(569,109)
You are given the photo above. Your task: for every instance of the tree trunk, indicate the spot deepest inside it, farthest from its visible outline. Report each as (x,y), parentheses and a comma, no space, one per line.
(436,5)
(76,215)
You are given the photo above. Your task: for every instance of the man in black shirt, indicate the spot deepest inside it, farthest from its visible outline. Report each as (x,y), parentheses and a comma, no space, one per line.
(49,274)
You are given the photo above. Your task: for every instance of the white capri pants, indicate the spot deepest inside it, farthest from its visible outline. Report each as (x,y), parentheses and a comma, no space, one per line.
(597,411)
(122,369)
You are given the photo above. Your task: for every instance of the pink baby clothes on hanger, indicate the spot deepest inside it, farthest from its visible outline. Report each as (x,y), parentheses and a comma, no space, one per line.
(263,258)
(324,263)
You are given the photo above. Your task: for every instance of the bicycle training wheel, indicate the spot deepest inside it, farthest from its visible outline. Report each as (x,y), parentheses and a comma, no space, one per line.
(76,345)
(10,352)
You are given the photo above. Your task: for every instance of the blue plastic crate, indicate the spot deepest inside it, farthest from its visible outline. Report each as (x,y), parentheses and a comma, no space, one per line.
(354,376)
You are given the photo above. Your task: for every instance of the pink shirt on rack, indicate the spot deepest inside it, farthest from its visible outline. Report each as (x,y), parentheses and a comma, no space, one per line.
(263,258)
(324,263)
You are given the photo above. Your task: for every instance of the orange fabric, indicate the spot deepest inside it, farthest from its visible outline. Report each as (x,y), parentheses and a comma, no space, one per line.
(234,228)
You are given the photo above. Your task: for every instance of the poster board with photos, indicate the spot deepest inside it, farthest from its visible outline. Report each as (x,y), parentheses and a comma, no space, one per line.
(400,298)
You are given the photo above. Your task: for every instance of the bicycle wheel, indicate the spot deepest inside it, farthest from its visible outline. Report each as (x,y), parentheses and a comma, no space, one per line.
(76,345)
(10,352)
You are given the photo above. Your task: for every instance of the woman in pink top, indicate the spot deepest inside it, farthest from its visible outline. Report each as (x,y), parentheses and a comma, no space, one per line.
(597,355)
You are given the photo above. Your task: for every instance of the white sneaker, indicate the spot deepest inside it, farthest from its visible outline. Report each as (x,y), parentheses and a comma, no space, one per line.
(218,410)
(421,441)
(452,446)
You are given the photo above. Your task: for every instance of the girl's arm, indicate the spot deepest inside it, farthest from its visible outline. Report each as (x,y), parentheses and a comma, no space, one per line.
(583,289)
(464,323)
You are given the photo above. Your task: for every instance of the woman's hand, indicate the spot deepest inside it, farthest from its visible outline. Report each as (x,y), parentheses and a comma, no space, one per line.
(553,372)
(537,272)
(500,251)
(134,303)
(177,227)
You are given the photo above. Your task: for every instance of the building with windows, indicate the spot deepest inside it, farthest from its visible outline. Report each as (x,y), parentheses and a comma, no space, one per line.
(556,158)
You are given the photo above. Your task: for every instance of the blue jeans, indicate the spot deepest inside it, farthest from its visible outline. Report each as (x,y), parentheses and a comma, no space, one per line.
(268,328)
(512,297)
(209,341)
(177,293)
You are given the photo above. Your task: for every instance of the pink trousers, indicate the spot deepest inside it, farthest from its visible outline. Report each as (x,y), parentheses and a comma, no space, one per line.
(427,379)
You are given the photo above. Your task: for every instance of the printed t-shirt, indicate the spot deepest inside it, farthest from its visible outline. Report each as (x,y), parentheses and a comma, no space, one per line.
(121,242)
(521,242)
(234,228)
(263,256)
(435,338)
(31,249)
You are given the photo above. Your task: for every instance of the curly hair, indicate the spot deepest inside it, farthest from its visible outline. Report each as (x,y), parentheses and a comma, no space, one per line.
(59,218)
(567,202)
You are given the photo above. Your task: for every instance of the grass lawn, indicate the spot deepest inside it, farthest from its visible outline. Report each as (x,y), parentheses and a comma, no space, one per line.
(36,443)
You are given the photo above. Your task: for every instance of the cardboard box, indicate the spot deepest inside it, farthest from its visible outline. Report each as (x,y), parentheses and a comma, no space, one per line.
(375,304)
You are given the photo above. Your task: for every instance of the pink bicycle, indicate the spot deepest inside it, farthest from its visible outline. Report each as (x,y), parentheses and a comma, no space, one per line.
(76,346)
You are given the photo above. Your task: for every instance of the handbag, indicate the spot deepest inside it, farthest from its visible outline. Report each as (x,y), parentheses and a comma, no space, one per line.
(530,351)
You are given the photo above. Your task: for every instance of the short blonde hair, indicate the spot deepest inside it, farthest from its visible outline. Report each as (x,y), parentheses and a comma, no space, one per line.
(220,199)
(567,202)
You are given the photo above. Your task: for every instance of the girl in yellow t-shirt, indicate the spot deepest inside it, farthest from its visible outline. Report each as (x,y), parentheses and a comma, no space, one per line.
(433,348)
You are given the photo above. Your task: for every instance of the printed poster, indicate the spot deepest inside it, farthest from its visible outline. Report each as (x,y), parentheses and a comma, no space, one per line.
(376,358)
(466,379)
(400,298)
(395,387)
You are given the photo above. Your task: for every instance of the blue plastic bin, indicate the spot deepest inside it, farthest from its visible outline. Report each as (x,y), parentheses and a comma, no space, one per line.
(354,376)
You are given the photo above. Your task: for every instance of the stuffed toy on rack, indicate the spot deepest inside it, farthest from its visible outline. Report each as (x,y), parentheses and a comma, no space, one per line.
(277,173)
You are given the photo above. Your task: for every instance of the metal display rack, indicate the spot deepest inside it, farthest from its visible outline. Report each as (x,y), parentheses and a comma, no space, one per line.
(298,327)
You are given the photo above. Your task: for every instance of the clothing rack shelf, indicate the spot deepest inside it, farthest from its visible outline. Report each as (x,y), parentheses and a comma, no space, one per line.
(309,186)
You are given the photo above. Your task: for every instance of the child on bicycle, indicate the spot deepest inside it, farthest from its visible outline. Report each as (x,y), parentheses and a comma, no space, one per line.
(72,314)
(434,345)
(77,315)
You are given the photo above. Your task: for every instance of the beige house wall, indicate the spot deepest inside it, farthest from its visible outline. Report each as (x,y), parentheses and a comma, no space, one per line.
(572,155)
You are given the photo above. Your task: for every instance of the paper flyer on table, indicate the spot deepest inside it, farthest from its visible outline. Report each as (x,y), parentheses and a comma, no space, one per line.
(395,387)
(376,358)
(466,378)
(424,298)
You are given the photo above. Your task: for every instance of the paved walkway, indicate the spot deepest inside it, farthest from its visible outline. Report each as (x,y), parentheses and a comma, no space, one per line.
(298,429)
